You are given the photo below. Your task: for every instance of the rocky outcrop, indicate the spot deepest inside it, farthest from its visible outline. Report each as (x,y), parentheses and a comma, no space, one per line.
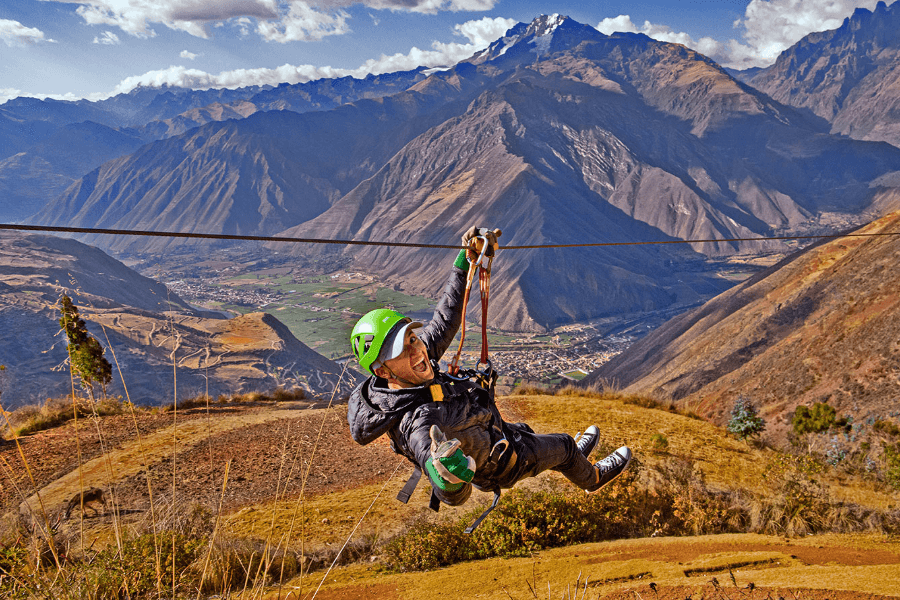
(849,76)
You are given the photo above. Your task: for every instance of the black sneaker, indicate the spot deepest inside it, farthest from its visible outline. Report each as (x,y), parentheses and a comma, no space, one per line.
(587,441)
(610,467)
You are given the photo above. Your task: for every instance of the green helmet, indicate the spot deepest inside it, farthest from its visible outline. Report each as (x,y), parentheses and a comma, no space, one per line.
(369,333)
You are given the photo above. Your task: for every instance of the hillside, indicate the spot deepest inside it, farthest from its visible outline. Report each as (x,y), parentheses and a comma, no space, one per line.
(45,145)
(849,76)
(346,492)
(822,325)
(29,179)
(145,324)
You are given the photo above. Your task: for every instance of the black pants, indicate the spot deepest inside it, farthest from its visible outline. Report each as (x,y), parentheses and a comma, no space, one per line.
(555,452)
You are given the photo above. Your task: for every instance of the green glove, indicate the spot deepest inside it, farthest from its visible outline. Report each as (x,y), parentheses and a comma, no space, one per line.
(449,468)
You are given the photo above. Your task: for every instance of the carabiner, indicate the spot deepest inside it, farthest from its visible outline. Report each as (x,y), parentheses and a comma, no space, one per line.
(484,249)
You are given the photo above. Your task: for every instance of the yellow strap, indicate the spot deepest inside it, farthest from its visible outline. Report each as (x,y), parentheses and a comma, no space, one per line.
(437,393)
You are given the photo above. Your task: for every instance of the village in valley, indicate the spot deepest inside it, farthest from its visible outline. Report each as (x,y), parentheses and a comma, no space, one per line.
(321,309)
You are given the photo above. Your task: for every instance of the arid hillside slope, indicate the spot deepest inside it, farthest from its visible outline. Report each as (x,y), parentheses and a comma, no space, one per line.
(823,324)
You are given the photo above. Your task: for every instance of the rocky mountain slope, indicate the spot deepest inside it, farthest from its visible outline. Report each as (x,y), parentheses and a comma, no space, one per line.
(849,76)
(821,326)
(144,323)
(28,179)
(46,144)
(583,137)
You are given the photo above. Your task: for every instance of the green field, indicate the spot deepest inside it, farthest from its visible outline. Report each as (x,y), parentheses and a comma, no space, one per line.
(321,311)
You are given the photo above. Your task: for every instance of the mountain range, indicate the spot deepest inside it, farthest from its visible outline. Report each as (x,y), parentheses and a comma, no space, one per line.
(141,323)
(556,133)
(46,144)
(849,76)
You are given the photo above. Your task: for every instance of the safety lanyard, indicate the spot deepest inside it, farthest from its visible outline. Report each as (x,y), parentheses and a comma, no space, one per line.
(481,265)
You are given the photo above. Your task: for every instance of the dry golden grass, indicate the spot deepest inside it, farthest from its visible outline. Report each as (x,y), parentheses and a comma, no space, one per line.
(623,564)
(323,523)
(723,460)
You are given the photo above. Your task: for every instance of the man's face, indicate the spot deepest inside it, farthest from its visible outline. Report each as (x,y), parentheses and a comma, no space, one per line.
(412,366)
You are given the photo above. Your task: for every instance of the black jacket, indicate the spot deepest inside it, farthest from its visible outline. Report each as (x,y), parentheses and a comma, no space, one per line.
(466,412)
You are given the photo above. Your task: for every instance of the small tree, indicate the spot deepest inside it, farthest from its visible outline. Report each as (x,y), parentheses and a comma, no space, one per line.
(808,421)
(85,352)
(745,421)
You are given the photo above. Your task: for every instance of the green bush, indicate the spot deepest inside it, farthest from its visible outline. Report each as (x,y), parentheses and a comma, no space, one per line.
(526,521)
(892,465)
(886,427)
(133,573)
(818,418)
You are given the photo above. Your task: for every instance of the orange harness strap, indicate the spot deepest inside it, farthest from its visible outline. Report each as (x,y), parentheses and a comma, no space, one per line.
(483,265)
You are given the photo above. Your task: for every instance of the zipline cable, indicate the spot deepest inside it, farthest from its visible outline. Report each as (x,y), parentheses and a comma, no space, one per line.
(263,238)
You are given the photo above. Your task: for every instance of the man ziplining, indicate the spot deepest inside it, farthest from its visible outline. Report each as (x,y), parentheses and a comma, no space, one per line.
(449,427)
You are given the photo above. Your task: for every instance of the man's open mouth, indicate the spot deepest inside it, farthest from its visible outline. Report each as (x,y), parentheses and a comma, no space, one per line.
(421,366)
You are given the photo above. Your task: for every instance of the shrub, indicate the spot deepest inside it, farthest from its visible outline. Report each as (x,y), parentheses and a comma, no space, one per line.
(799,501)
(892,465)
(525,521)
(529,390)
(53,413)
(886,427)
(818,418)
(133,573)
(659,442)
(745,421)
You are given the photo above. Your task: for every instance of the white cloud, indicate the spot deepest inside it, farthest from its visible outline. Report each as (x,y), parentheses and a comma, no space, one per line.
(479,34)
(276,20)
(663,33)
(417,6)
(302,23)
(108,38)
(10,93)
(772,26)
(188,55)
(16,34)
(136,17)
(768,28)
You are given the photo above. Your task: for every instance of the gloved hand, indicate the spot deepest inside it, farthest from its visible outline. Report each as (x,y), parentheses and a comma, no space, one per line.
(474,245)
(450,469)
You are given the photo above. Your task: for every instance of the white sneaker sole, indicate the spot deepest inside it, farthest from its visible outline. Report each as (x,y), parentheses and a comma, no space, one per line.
(628,459)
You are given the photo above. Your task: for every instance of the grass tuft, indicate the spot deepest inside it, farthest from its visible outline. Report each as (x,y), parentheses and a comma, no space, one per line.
(54,412)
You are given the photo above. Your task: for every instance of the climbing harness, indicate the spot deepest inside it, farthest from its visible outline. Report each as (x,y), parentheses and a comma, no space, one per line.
(501,459)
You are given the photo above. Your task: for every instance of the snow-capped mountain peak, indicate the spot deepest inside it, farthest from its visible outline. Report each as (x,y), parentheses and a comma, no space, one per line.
(544,35)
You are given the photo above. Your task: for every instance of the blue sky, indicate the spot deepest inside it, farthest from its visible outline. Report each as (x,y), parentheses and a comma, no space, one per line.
(94,48)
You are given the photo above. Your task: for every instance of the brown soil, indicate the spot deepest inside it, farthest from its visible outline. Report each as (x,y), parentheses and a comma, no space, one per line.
(686,551)
(708,591)
(53,453)
(266,459)
(257,454)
